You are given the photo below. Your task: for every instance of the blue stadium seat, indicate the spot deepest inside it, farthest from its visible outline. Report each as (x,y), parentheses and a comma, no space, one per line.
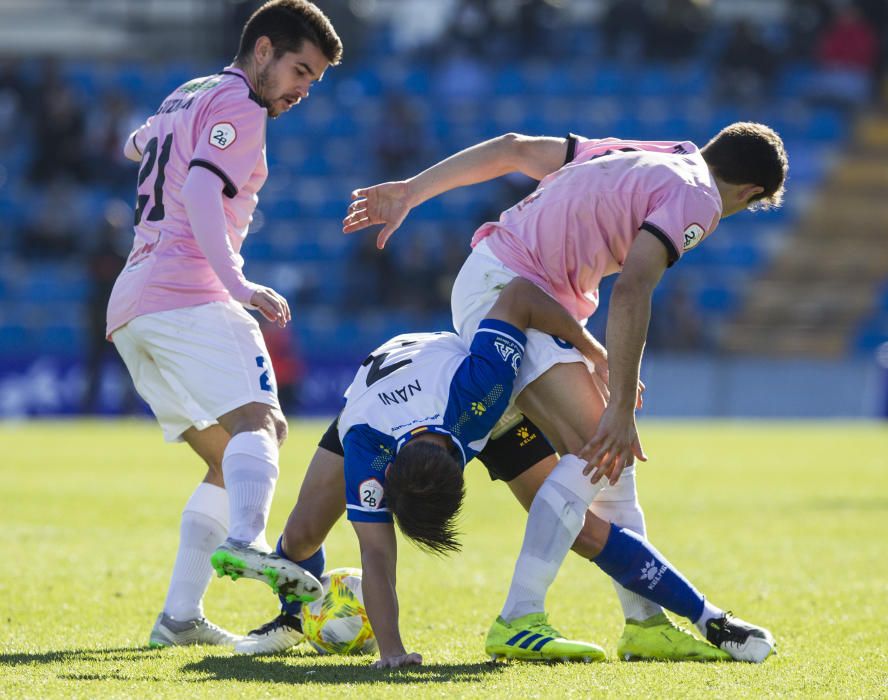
(655,81)
(62,339)
(826,125)
(611,80)
(796,80)
(717,299)
(510,81)
(741,255)
(131,80)
(15,341)
(872,333)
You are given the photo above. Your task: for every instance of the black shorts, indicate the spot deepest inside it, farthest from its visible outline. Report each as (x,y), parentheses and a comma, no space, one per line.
(506,457)
(515,451)
(330,439)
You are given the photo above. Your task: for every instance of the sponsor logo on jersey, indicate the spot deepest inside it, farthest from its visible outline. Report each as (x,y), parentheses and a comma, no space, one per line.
(222,135)
(398,396)
(426,419)
(529,199)
(370,492)
(139,255)
(693,234)
(652,571)
(199,84)
(525,436)
(509,353)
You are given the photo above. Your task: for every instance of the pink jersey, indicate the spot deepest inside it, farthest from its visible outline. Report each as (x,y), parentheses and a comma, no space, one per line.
(217,123)
(580,222)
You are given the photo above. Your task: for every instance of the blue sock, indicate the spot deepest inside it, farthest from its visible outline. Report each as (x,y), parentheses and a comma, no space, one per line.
(637,565)
(314,565)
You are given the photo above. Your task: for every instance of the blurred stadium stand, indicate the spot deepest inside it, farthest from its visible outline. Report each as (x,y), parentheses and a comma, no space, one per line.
(808,281)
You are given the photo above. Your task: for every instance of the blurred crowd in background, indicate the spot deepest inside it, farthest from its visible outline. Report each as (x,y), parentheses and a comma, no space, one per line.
(66,190)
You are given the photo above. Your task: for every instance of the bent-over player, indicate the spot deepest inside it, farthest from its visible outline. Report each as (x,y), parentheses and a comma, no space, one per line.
(603,207)
(417,411)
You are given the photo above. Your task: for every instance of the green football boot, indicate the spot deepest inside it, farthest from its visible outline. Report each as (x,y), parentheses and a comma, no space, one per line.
(236,559)
(660,639)
(531,638)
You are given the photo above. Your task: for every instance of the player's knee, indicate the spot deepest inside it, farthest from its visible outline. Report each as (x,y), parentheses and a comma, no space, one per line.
(280,427)
(214,473)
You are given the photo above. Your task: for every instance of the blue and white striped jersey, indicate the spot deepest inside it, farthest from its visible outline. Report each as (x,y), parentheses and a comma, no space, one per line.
(421,382)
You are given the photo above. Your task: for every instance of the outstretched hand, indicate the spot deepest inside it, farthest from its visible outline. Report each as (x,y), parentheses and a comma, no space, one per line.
(614,446)
(412,659)
(387,204)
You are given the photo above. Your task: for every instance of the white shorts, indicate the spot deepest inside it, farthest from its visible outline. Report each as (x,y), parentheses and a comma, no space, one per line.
(197,363)
(479,283)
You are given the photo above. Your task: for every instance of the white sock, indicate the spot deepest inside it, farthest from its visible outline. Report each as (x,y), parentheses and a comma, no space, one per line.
(250,468)
(555,519)
(709,612)
(619,505)
(203,528)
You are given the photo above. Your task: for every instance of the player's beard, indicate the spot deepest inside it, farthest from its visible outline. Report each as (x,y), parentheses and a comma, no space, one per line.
(267,86)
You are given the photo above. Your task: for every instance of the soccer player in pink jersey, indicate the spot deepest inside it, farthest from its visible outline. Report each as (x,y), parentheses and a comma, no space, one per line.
(177,317)
(603,206)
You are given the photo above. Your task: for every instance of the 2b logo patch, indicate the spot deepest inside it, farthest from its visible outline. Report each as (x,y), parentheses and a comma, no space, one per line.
(693,234)
(371,493)
(222,135)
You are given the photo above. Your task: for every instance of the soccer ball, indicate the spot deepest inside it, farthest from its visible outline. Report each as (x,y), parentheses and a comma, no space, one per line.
(337,623)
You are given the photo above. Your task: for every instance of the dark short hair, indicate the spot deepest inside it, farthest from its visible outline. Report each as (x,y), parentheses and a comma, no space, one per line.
(749,153)
(424,490)
(289,23)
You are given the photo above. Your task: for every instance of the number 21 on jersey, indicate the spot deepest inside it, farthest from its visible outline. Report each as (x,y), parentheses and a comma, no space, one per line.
(150,158)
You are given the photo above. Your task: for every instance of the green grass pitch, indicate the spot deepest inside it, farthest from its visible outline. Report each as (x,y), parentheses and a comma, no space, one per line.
(784,523)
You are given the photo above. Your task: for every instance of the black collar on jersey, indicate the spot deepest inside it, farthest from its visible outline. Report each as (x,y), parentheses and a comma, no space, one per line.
(253,96)
(404,439)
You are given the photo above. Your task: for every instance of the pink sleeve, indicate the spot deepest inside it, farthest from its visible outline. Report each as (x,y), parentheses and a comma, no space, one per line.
(130,150)
(135,143)
(202,197)
(231,141)
(682,218)
(584,149)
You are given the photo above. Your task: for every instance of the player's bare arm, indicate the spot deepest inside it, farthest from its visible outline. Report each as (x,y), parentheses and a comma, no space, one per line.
(524,305)
(379,556)
(616,444)
(390,202)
